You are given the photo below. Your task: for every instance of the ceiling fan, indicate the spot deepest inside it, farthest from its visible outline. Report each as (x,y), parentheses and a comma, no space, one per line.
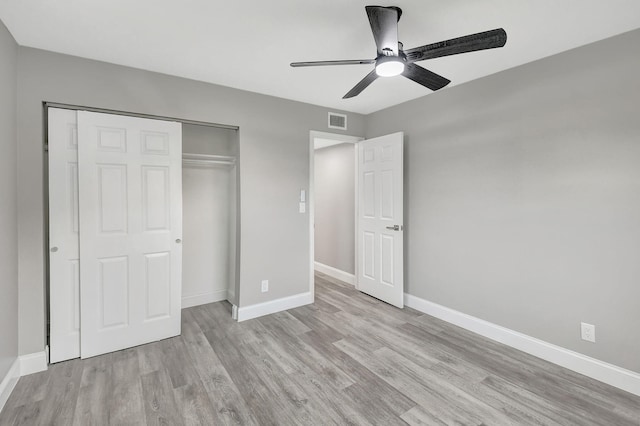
(392,60)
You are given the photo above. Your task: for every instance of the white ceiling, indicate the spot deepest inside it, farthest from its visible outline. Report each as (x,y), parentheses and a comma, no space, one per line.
(248,44)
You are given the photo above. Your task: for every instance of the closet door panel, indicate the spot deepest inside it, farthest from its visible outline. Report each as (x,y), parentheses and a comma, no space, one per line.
(64,266)
(112,198)
(156,198)
(130,186)
(158,285)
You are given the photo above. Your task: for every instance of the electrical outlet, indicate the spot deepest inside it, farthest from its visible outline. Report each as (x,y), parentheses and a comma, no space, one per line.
(265,286)
(588,332)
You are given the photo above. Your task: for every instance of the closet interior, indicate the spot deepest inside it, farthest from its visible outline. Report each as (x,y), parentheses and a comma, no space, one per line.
(209,198)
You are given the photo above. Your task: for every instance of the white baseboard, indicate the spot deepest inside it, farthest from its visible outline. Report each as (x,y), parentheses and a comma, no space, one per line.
(608,373)
(266,308)
(9,382)
(203,298)
(335,273)
(33,363)
(22,366)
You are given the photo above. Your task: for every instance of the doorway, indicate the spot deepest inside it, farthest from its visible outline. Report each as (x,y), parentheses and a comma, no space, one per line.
(357,232)
(332,205)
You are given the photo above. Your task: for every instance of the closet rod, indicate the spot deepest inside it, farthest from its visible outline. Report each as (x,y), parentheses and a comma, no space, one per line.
(207,159)
(134,114)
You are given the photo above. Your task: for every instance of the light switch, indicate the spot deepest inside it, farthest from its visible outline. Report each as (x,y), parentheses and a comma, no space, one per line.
(303,196)
(303,207)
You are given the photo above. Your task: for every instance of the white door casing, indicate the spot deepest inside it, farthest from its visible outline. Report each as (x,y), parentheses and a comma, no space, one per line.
(380,218)
(64,255)
(130,198)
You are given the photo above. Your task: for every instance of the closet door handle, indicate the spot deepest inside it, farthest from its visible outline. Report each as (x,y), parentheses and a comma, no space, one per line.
(54,249)
(178,240)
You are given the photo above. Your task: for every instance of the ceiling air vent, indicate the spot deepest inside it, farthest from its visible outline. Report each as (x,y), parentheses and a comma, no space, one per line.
(337,121)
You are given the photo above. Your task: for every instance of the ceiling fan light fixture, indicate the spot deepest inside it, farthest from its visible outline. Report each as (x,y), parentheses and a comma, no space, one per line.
(389,66)
(393,60)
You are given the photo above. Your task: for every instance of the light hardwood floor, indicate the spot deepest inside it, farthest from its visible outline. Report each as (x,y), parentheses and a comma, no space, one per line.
(347,359)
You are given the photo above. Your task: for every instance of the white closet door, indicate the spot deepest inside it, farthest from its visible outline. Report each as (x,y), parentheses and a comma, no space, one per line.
(64,267)
(130,186)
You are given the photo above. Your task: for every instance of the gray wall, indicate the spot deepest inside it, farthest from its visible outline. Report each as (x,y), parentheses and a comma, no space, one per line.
(523,197)
(198,139)
(8,197)
(273,146)
(334,192)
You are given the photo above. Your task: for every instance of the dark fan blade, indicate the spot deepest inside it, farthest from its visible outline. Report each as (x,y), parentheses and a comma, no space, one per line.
(384,25)
(321,63)
(363,84)
(425,77)
(480,41)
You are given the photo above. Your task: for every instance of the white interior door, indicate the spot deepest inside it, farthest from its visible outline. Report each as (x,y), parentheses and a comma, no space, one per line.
(64,255)
(130,187)
(380,218)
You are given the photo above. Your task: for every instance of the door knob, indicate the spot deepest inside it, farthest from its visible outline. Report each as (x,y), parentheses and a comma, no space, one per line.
(178,240)
(394,227)
(54,249)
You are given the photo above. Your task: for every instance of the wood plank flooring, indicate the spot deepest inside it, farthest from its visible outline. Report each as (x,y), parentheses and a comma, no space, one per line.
(348,359)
